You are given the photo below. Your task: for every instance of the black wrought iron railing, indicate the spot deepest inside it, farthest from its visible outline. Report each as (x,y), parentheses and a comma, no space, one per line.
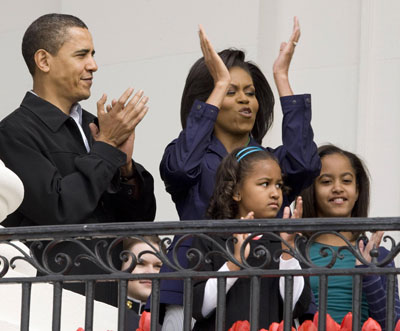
(106,239)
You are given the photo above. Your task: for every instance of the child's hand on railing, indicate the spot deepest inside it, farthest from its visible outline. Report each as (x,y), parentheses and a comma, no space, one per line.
(373,242)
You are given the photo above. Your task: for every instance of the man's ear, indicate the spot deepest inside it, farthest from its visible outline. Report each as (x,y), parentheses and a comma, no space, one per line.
(237,196)
(42,58)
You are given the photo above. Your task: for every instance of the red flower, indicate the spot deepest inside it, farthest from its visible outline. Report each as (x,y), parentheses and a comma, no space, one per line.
(397,328)
(371,325)
(347,322)
(281,327)
(240,326)
(331,325)
(274,326)
(145,322)
(307,326)
(80,329)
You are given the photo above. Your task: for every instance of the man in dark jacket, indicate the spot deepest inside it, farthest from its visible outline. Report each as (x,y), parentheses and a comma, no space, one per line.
(76,168)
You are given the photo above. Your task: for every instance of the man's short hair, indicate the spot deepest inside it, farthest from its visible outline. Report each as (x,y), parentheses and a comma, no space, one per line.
(48,32)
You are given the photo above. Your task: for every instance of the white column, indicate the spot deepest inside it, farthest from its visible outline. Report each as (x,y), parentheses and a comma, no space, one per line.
(378,133)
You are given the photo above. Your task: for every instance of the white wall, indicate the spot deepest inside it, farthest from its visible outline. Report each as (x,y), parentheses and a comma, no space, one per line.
(348,58)
(379,104)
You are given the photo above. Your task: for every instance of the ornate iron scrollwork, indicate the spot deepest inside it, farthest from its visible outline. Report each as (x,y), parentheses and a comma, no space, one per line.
(104,249)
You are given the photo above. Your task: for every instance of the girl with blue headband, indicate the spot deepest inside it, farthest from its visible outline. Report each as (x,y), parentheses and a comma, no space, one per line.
(249,185)
(227,103)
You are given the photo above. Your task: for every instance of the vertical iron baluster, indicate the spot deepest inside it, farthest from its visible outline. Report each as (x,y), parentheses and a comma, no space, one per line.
(390,301)
(57,296)
(287,309)
(323,296)
(122,292)
(254,302)
(357,297)
(25,305)
(221,301)
(187,304)
(155,303)
(89,305)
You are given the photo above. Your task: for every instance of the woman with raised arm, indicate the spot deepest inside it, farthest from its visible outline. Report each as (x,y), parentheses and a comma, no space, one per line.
(227,103)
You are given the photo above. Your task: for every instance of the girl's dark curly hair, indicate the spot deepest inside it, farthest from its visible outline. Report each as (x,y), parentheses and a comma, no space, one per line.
(361,206)
(199,85)
(230,175)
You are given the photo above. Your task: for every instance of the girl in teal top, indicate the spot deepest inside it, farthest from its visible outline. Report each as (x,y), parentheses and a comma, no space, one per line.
(342,190)
(339,287)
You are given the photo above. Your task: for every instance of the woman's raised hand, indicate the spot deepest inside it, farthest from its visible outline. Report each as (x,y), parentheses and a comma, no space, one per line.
(282,62)
(286,51)
(217,69)
(214,63)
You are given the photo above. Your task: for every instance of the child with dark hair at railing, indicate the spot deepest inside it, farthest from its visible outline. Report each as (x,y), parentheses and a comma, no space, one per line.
(248,186)
(228,103)
(342,190)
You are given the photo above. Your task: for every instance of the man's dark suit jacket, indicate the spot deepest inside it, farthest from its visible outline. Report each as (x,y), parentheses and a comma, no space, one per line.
(65,184)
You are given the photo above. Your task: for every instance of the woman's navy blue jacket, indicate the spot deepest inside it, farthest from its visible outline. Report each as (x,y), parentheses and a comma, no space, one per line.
(190,163)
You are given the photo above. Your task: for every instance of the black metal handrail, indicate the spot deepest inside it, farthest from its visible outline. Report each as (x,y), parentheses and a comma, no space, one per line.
(109,230)
(108,236)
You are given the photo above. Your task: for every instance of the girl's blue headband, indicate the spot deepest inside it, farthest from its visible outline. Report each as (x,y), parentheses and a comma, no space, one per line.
(246,151)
